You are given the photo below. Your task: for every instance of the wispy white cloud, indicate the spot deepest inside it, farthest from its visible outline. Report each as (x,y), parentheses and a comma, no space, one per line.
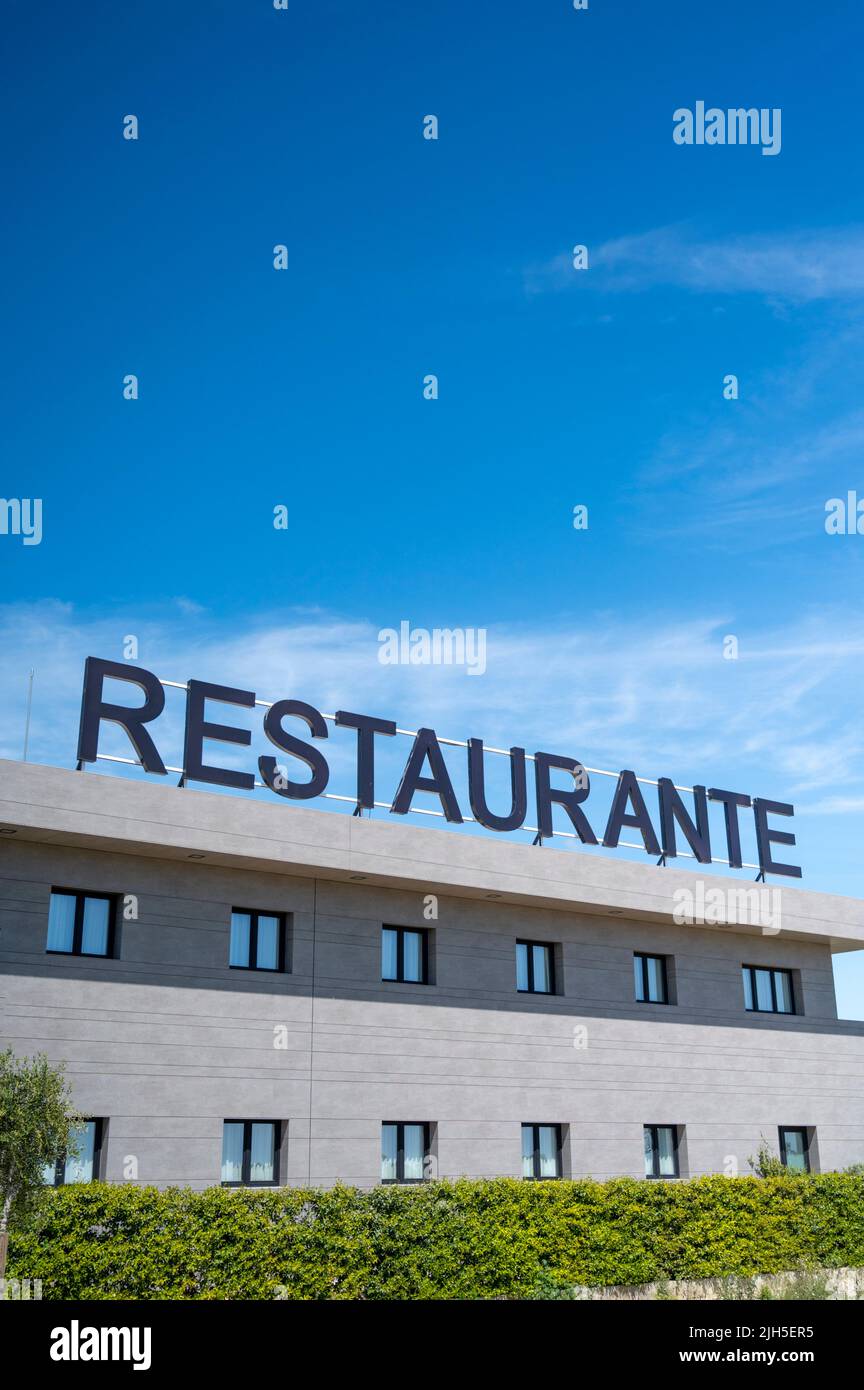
(835,806)
(656,696)
(802,266)
(756,473)
(190,607)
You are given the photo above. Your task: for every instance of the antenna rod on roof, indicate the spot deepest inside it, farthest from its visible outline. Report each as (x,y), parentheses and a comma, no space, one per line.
(27,718)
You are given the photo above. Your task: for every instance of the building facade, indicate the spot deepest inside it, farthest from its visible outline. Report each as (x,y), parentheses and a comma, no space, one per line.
(248,992)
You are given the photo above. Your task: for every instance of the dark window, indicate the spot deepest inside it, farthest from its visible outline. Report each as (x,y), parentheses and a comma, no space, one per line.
(80,924)
(535,968)
(405,954)
(795,1149)
(250,1153)
(257,941)
(82,1162)
(404,1151)
(661,1151)
(768,991)
(541,1151)
(650,979)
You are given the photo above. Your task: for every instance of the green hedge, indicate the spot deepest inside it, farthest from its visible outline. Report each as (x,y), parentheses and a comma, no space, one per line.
(441,1240)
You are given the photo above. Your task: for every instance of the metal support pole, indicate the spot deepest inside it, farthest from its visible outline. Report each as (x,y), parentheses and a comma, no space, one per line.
(27,717)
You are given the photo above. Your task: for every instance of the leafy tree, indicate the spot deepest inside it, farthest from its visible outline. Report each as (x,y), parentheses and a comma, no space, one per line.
(767,1164)
(37,1122)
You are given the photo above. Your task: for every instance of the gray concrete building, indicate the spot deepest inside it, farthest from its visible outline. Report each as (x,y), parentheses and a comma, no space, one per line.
(249,991)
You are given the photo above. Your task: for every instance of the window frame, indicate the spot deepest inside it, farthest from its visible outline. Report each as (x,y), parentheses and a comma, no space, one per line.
(98,1136)
(399,977)
(399,1125)
(772,971)
(782,1131)
(549,947)
(643,957)
(246,1164)
(536,1126)
(80,895)
(253,913)
(656,1175)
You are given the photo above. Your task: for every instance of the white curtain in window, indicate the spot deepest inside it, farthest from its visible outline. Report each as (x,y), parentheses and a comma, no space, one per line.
(388,953)
(542,972)
(232,1151)
(94,936)
(666,1150)
(521,965)
(783,986)
(263,1150)
(412,956)
(638,980)
(268,943)
(527,1151)
(748,989)
(414,1152)
(61,922)
(388,1153)
(548,1151)
(763,990)
(655,979)
(238,952)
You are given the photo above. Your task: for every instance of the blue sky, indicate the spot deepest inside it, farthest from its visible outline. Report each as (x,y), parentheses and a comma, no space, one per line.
(408,257)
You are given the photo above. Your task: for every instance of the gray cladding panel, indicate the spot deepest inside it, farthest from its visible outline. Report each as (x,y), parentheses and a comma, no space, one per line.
(167,1041)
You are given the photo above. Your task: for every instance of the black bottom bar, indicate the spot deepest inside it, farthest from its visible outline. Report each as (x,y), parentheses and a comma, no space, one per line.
(774,1337)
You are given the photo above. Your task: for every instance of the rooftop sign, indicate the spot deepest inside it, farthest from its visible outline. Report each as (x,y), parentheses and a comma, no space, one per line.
(425,771)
